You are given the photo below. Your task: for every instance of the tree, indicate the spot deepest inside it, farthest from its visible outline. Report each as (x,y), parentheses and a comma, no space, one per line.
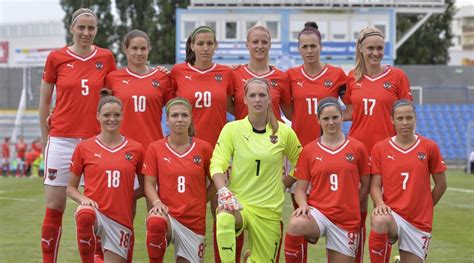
(430,43)
(140,15)
(106,29)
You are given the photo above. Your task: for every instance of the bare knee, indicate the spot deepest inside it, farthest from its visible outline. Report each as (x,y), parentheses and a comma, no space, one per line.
(381,223)
(300,225)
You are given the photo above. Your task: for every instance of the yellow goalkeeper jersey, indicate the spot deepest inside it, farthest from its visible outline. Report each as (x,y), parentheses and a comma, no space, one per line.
(257,163)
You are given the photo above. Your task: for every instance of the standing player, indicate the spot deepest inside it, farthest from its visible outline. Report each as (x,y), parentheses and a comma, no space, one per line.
(20,148)
(207,85)
(371,90)
(6,157)
(109,163)
(334,166)
(176,170)
(143,90)
(77,73)
(402,165)
(259,44)
(311,82)
(257,146)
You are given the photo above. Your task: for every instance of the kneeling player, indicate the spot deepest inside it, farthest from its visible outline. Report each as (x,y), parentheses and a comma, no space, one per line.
(404,209)
(335,166)
(109,163)
(177,166)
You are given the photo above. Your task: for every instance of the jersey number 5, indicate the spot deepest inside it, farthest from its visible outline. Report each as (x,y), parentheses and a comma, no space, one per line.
(85,87)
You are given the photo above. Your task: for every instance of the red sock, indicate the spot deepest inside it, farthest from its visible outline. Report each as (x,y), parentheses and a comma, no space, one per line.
(98,252)
(239,242)
(305,242)
(378,244)
(294,249)
(360,250)
(51,234)
(156,238)
(85,220)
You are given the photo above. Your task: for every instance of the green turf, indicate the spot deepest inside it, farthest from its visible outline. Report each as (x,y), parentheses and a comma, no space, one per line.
(21,215)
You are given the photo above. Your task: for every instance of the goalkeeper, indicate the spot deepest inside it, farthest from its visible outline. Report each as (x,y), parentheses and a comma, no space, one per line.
(252,197)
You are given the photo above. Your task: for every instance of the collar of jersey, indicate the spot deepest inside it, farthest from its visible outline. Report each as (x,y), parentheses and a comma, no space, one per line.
(400,149)
(91,55)
(112,150)
(315,77)
(202,71)
(264,75)
(384,73)
(136,75)
(335,151)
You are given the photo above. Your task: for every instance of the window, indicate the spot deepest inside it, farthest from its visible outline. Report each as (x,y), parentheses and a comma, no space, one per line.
(211,24)
(339,30)
(231,30)
(189,26)
(272,26)
(382,27)
(249,24)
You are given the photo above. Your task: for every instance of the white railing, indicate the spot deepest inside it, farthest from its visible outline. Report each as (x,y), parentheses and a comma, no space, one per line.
(318,2)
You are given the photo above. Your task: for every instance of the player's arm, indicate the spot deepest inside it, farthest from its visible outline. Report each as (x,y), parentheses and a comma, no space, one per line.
(287,110)
(364,186)
(347,114)
(152,196)
(230,105)
(301,198)
(140,192)
(46,94)
(377,196)
(73,192)
(440,186)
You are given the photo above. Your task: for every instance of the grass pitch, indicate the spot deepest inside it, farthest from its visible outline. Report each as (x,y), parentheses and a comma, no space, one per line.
(22,211)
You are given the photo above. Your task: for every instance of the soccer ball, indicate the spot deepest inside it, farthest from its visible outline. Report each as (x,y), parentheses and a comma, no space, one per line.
(396,259)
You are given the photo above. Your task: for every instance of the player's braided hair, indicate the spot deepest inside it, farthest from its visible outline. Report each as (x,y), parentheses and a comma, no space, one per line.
(270,119)
(187,104)
(360,68)
(107,97)
(134,34)
(190,55)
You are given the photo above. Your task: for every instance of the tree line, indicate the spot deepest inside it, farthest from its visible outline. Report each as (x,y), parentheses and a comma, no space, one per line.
(429,44)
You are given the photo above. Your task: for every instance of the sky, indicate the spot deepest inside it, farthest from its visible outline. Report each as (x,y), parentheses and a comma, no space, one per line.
(18,11)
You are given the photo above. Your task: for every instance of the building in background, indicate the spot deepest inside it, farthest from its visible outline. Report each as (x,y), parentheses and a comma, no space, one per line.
(462,51)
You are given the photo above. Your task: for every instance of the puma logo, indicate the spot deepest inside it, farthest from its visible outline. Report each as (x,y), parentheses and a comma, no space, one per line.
(188,77)
(88,242)
(167,159)
(391,157)
(244,80)
(319,158)
(98,155)
(228,248)
(47,241)
(70,65)
(379,253)
(125,81)
(358,84)
(246,137)
(292,254)
(157,246)
(300,83)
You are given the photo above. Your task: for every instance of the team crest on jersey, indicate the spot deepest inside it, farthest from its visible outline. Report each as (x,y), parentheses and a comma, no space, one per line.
(128,156)
(99,65)
(218,77)
(274,83)
(328,83)
(387,85)
(155,83)
(52,173)
(350,157)
(273,139)
(421,156)
(197,159)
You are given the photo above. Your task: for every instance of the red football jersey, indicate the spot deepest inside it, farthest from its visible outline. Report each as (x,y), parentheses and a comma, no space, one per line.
(109,176)
(335,177)
(78,83)
(306,91)
(207,90)
(279,89)
(181,180)
(406,178)
(5,151)
(20,149)
(143,98)
(372,99)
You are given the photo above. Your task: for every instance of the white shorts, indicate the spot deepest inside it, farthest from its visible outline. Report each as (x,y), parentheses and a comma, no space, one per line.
(20,161)
(5,161)
(187,244)
(115,237)
(57,160)
(337,239)
(411,239)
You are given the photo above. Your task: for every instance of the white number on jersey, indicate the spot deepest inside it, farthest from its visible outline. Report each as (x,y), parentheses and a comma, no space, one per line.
(312,105)
(85,88)
(181,184)
(139,103)
(405,180)
(334,182)
(113,178)
(369,105)
(203,99)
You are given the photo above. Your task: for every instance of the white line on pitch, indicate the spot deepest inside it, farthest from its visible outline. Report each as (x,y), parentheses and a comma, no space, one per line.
(461,190)
(17,199)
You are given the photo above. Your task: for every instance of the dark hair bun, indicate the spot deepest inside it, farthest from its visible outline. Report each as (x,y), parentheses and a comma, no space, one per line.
(311,24)
(104,92)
